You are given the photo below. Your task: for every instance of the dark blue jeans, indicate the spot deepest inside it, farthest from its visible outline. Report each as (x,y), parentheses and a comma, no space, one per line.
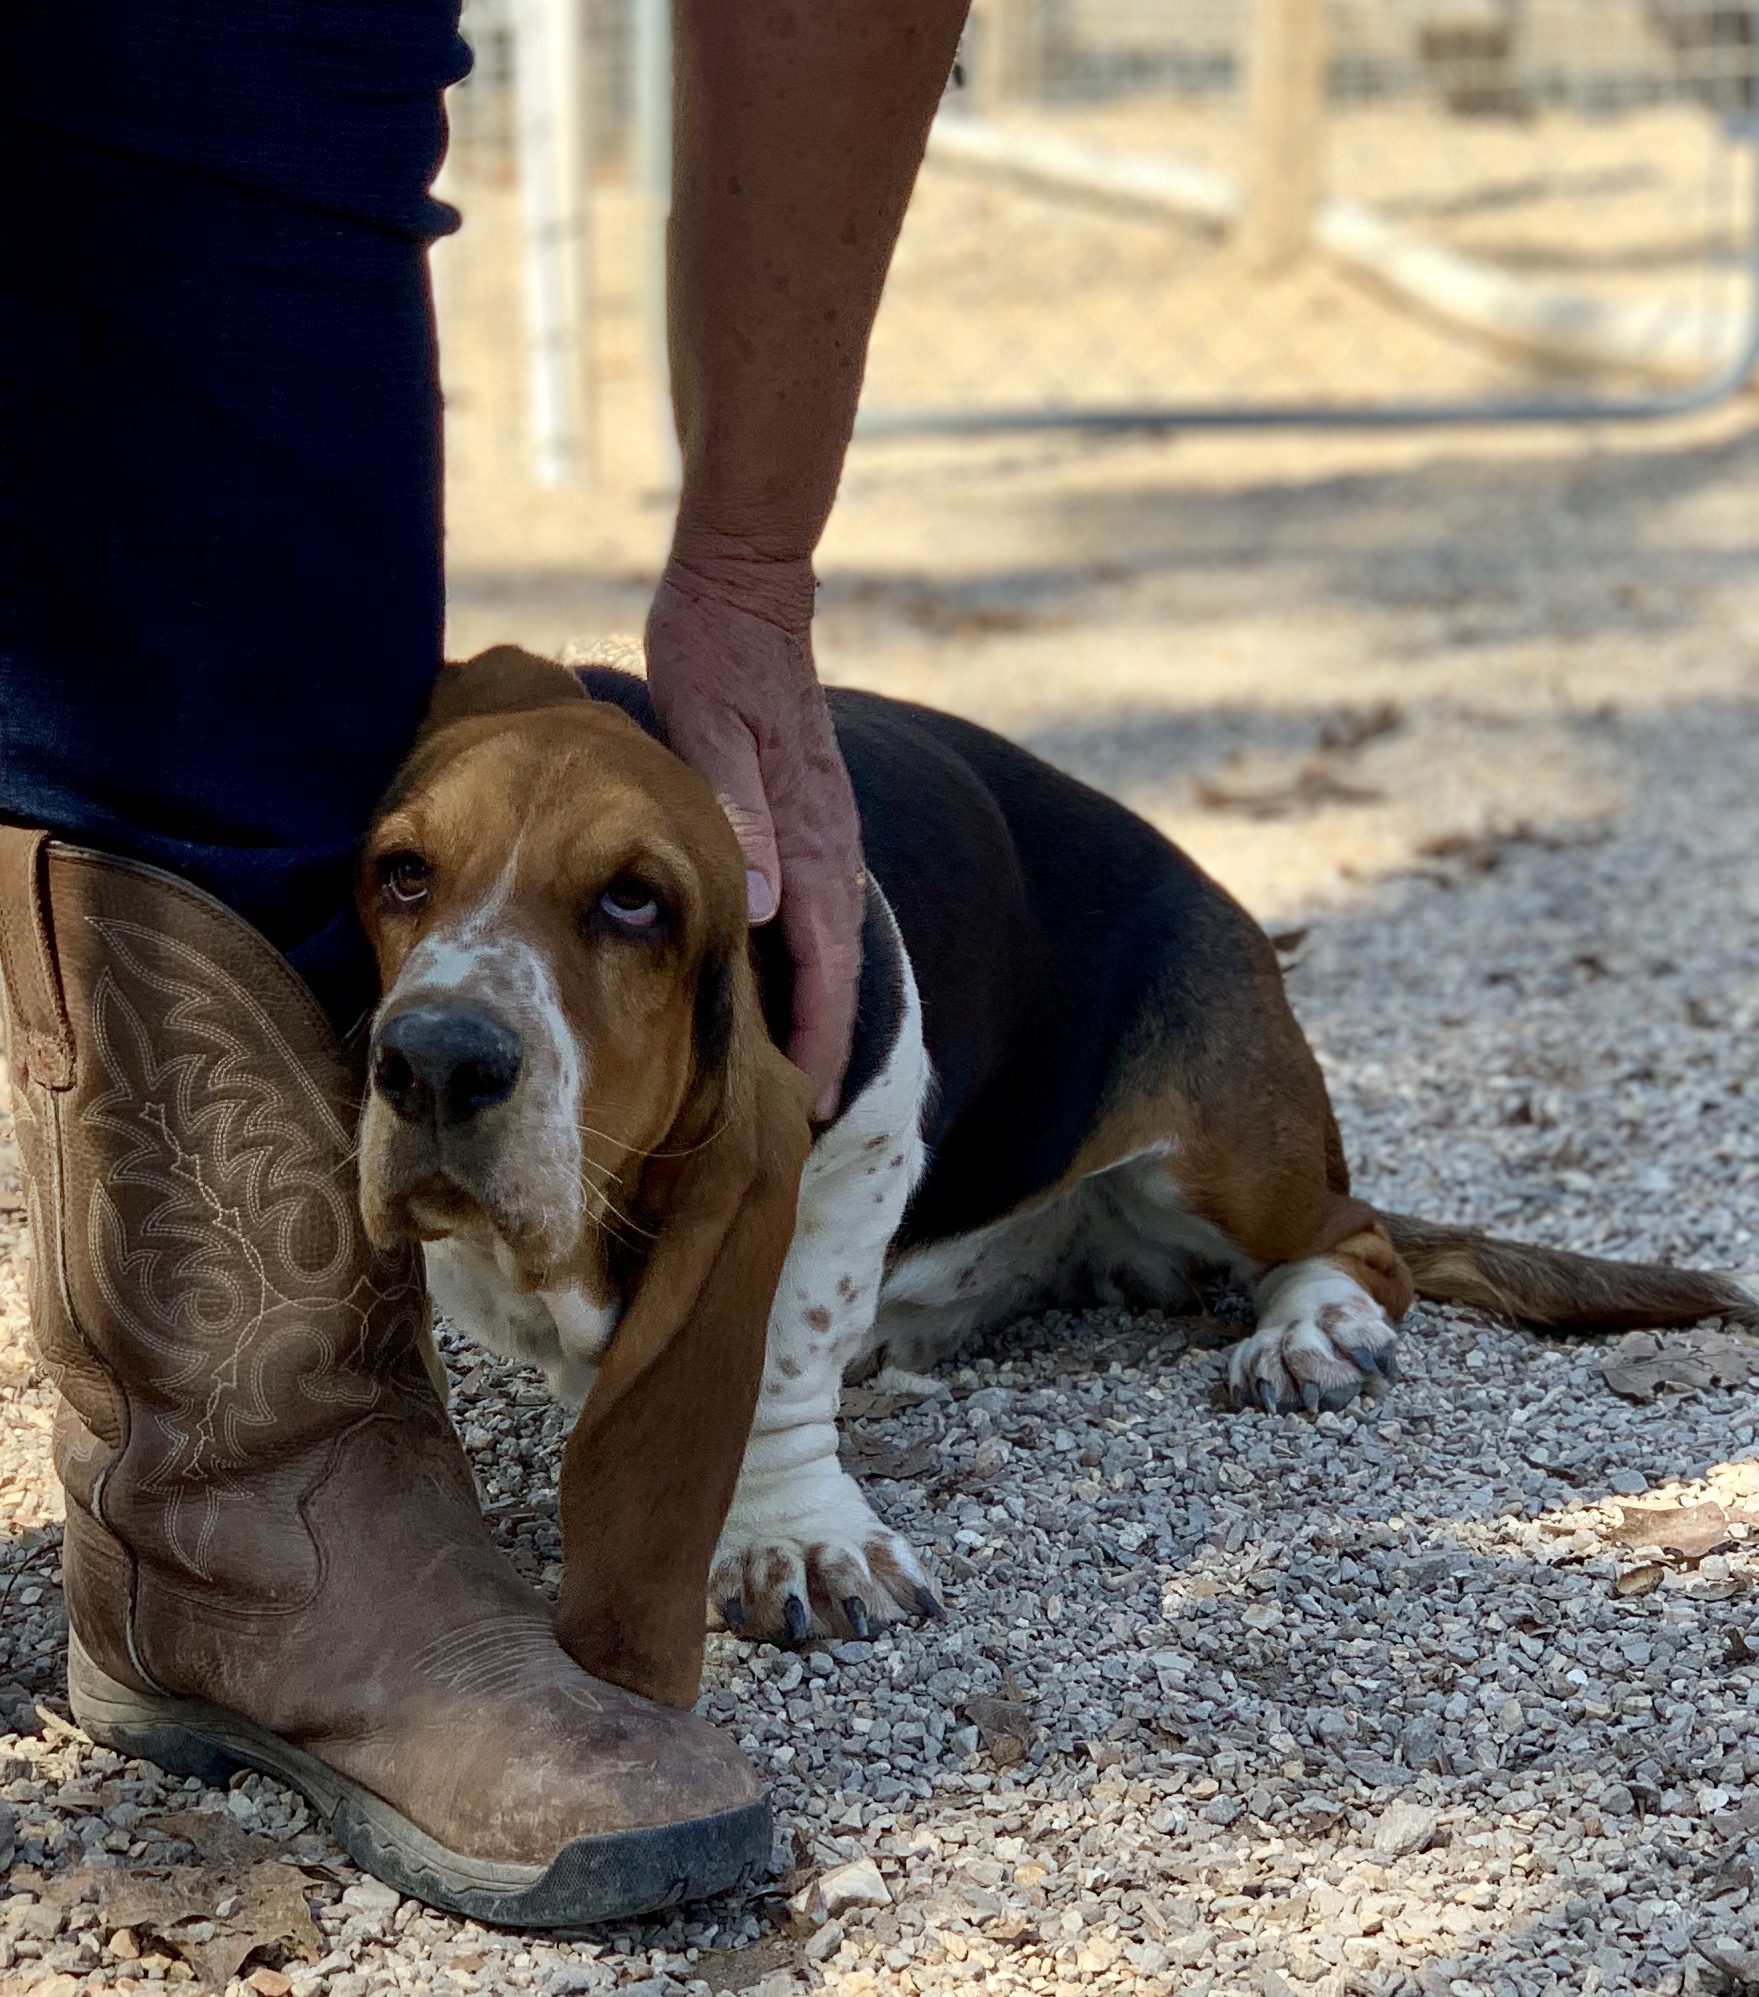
(221,596)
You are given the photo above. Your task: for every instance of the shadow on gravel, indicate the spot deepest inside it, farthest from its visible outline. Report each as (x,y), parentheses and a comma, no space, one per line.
(1435,535)
(32,1633)
(1573,540)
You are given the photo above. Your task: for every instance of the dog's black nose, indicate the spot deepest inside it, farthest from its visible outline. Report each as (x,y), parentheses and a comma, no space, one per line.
(447,1062)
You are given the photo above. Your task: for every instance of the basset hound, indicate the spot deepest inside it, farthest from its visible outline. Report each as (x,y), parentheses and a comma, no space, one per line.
(1076,1077)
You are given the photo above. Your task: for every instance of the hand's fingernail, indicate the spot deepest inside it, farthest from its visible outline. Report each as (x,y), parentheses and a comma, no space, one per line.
(760,897)
(826,1106)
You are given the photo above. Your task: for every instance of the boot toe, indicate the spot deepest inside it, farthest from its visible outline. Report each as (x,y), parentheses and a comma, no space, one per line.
(648,1768)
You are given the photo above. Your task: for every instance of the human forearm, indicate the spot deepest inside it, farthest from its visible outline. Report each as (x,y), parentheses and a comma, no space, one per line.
(800,125)
(799,128)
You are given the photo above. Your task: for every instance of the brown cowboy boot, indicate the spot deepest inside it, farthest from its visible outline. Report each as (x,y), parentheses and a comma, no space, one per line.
(274,1556)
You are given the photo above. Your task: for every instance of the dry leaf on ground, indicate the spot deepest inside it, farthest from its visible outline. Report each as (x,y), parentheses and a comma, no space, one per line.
(735,1969)
(1355,727)
(1687,1531)
(863,1404)
(1642,1361)
(1466,854)
(214,1838)
(180,1904)
(1311,787)
(870,1457)
(1643,1579)
(1005,1728)
(1730,1954)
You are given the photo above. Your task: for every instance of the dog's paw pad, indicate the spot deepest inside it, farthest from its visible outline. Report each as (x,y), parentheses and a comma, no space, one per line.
(1315,1358)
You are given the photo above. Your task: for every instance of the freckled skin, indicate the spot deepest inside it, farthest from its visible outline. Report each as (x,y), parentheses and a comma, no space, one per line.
(798,129)
(770,290)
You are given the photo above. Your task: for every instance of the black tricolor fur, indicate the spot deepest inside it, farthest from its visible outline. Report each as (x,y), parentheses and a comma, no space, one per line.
(1061,947)
(1049,929)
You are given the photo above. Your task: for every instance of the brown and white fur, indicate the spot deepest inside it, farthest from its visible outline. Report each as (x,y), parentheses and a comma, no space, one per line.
(1076,1078)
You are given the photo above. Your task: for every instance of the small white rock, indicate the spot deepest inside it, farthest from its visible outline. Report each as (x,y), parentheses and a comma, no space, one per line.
(857,1884)
(1403,1829)
(372,1897)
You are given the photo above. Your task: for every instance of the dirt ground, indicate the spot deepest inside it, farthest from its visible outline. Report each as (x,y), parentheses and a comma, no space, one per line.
(1381,1704)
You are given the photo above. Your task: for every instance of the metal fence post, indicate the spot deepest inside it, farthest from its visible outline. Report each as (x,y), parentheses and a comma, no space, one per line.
(651,149)
(555,156)
(1416,174)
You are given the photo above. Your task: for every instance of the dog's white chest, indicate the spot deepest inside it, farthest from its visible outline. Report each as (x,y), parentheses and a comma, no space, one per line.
(563,1332)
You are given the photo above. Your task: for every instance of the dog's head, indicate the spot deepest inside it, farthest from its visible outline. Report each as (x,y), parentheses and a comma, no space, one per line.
(569,1069)
(557,905)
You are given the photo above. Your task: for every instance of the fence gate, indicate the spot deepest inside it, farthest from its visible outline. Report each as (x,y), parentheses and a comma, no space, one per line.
(1190,212)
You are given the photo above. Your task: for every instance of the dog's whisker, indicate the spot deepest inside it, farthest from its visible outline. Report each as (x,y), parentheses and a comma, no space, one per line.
(606,1212)
(592,1130)
(631,1150)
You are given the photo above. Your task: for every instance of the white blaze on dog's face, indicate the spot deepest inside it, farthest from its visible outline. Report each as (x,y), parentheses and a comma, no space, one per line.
(555,902)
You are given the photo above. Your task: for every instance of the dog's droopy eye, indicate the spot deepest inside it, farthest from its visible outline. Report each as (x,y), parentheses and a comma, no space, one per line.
(406,878)
(630,904)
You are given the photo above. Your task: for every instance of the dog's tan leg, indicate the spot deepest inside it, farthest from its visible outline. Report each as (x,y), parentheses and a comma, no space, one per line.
(1252,1151)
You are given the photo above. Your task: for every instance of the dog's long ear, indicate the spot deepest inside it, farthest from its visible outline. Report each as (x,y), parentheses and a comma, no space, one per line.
(648,1474)
(502,680)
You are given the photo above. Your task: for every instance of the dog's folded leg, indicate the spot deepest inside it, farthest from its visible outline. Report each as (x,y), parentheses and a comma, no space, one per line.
(803,1551)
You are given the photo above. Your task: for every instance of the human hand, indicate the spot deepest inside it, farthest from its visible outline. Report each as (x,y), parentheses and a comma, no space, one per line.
(729,661)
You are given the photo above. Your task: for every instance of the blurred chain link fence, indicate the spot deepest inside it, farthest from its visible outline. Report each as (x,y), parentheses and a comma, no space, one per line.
(1178,211)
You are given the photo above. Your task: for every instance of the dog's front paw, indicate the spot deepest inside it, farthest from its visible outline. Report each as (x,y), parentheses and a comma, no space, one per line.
(1321,1341)
(805,1555)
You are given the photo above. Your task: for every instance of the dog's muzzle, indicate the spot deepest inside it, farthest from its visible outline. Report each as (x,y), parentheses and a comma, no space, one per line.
(441,1064)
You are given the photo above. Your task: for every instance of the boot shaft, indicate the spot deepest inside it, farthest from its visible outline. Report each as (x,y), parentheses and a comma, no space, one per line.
(202,1288)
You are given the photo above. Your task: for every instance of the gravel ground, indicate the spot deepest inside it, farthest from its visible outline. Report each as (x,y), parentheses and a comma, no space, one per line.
(1455,1693)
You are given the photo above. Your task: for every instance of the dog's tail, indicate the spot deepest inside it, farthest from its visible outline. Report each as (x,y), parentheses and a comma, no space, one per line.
(1552,1289)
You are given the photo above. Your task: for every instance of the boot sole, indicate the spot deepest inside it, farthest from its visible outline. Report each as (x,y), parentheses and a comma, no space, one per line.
(593,1879)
